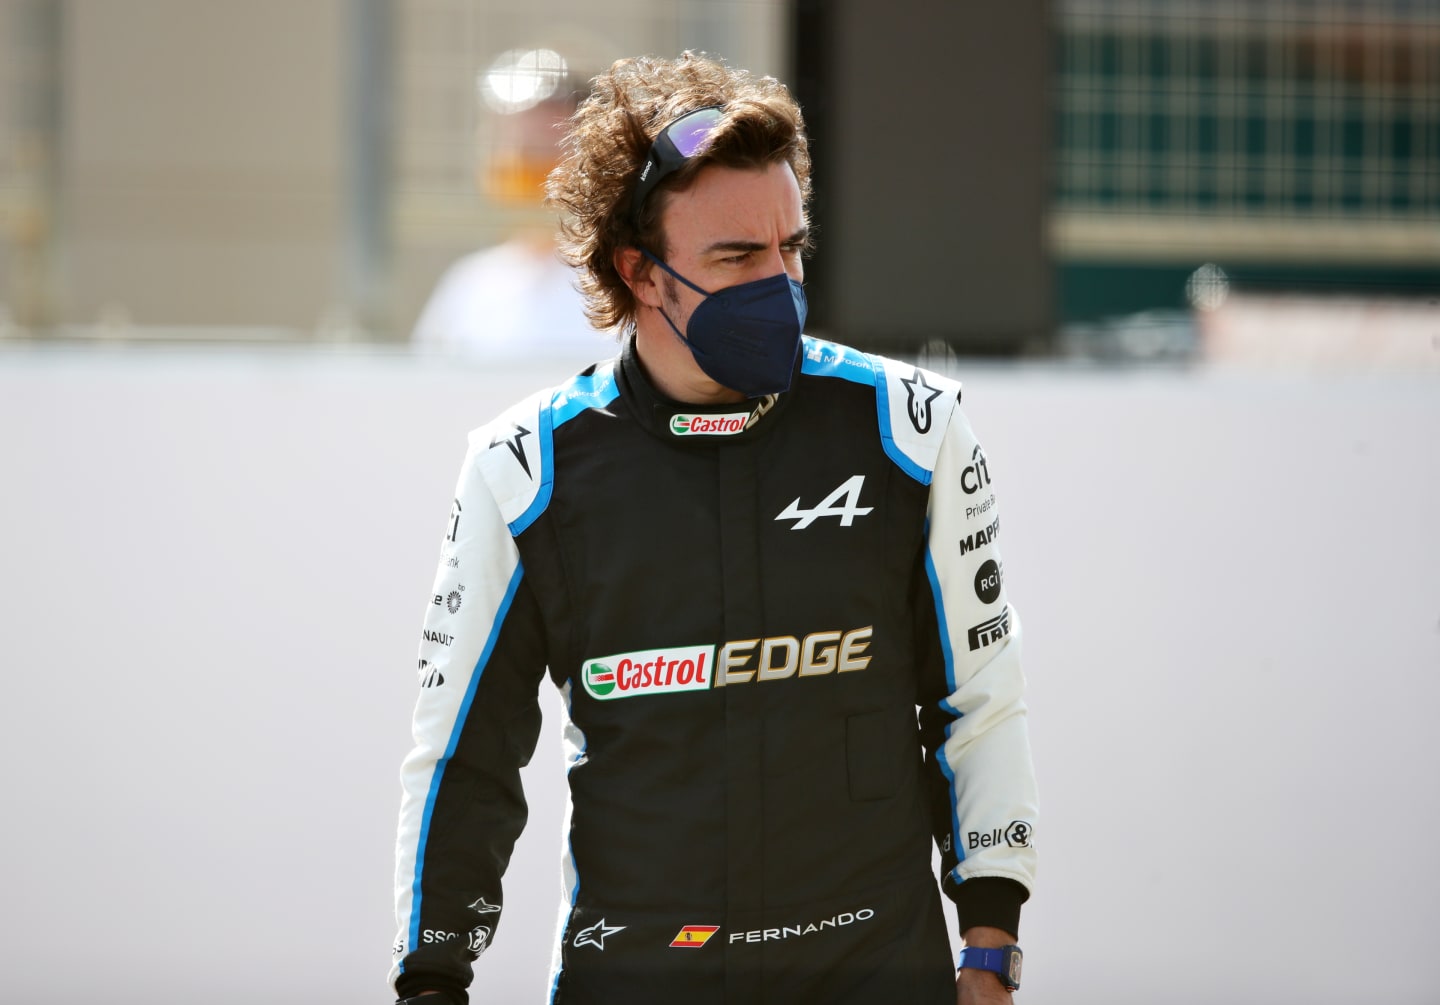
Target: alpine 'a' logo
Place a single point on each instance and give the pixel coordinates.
(595, 934)
(848, 493)
(917, 403)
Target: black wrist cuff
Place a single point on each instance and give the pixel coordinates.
(990, 901)
(445, 996)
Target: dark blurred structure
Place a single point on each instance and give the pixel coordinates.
(1284, 146)
(930, 127)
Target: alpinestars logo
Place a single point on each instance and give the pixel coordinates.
(991, 631)
(595, 935)
(517, 433)
(430, 676)
(917, 404)
(481, 906)
(848, 493)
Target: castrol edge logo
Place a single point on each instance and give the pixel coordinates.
(699, 668)
(650, 671)
(727, 424)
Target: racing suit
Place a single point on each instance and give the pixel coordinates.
(743, 605)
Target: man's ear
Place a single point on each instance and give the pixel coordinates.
(639, 274)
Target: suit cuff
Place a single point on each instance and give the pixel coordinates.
(991, 901)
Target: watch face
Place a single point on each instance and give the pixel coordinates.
(1013, 960)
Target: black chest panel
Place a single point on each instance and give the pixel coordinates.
(735, 619)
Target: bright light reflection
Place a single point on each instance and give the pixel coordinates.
(522, 78)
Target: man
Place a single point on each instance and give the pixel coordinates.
(746, 557)
(516, 299)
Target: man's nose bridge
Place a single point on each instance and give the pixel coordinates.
(774, 261)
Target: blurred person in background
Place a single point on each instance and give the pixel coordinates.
(516, 299)
(746, 557)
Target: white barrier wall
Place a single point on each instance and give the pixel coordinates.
(213, 567)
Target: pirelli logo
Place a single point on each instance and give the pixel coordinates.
(987, 632)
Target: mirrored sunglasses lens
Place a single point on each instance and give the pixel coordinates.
(690, 133)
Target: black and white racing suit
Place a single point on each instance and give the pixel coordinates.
(743, 606)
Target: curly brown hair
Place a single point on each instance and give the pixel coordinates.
(610, 135)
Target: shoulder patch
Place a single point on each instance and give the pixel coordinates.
(915, 407)
(830, 359)
(515, 452)
(513, 455)
(593, 389)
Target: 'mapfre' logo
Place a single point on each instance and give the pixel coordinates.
(728, 424)
(980, 538)
(650, 671)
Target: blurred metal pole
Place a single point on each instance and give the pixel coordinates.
(368, 284)
(33, 54)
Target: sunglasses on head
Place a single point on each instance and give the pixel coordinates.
(677, 143)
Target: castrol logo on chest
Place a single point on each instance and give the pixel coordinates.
(649, 671)
(727, 424)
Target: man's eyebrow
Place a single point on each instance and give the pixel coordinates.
(799, 237)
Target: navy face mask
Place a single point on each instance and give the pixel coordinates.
(745, 337)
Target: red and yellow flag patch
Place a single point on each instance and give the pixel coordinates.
(693, 936)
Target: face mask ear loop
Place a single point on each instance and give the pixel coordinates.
(678, 334)
(703, 293)
(683, 340)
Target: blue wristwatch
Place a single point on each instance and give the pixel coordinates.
(1004, 962)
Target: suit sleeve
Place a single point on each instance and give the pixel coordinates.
(475, 725)
(973, 716)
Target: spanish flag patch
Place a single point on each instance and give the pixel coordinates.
(693, 936)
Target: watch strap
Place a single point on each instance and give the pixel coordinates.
(1004, 962)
